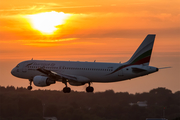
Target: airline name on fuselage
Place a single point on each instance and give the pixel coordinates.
(42, 64)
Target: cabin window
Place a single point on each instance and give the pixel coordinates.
(17, 65)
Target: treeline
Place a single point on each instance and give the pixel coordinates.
(21, 104)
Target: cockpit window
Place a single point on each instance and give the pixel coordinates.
(17, 65)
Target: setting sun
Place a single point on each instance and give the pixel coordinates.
(47, 22)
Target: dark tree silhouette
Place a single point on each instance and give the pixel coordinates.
(21, 104)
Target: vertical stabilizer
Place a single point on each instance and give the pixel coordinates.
(143, 53)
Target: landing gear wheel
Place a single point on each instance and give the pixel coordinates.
(89, 89)
(66, 90)
(30, 82)
(29, 87)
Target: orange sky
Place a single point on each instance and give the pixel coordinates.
(105, 31)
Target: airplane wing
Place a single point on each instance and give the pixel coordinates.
(60, 76)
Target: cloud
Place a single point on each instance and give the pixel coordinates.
(108, 25)
(110, 19)
(42, 7)
(46, 42)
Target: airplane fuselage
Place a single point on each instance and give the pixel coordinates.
(95, 71)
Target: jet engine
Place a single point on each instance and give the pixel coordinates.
(42, 81)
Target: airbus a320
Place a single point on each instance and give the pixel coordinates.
(44, 73)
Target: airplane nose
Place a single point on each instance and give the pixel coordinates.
(13, 72)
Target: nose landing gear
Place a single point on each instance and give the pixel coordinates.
(30, 87)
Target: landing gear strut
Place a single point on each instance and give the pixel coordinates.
(66, 89)
(30, 87)
(89, 88)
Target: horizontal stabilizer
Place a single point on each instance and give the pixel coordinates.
(138, 70)
(164, 67)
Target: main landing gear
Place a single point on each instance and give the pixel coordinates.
(66, 89)
(30, 87)
(89, 88)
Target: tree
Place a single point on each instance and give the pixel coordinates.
(51, 110)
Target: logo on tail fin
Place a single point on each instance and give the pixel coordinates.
(143, 58)
(143, 53)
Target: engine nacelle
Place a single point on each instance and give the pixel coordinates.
(42, 81)
(76, 83)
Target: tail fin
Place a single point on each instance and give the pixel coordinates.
(143, 53)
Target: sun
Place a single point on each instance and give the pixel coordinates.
(46, 22)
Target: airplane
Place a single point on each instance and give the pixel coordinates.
(44, 73)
